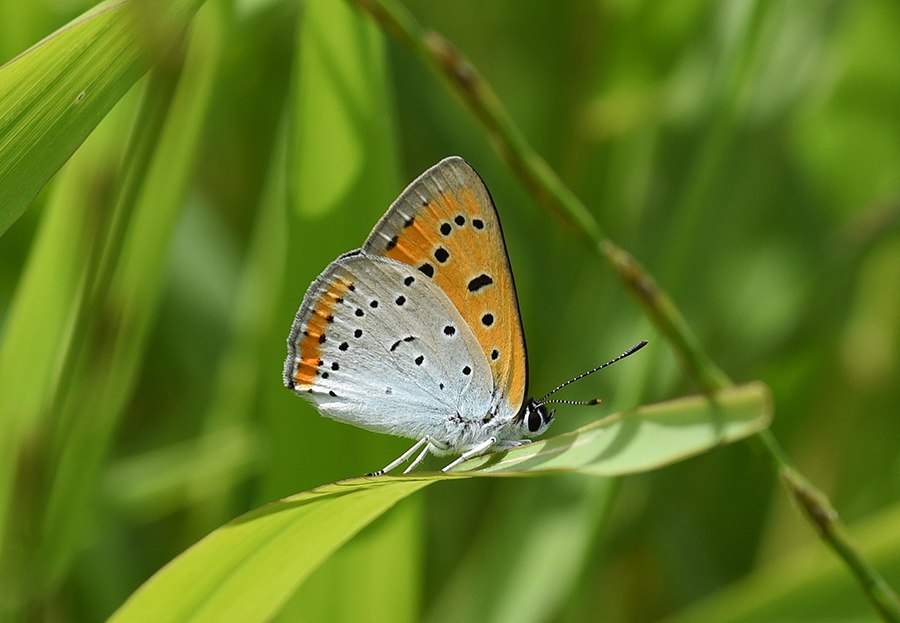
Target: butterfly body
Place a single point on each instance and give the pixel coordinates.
(418, 333)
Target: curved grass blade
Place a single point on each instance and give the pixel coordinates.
(643, 438)
(54, 94)
(248, 568)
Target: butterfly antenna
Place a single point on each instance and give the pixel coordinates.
(630, 351)
(585, 403)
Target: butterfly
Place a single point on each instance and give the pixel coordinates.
(418, 333)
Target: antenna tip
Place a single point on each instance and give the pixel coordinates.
(595, 401)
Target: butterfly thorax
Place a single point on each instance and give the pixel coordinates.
(510, 429)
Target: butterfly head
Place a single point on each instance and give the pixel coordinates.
(535, 418)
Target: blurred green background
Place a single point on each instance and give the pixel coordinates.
(747, 153)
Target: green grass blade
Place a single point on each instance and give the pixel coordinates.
(644, 438)
(54, 94)
(377, 577)
(246, 570)
(104, 372)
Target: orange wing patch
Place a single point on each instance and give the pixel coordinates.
(315, 335)
(446, 225)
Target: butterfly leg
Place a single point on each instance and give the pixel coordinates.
(402, 458)
(468, 454)
(433, 446)
(419, 458)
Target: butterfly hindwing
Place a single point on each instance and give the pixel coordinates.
(446, 226)
(378, 345)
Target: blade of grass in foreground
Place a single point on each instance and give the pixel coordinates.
(104, 369)
(54, 94)
(248, 568)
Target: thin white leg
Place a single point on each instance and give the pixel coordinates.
(419, 459)
(468, 454)
(402, 458)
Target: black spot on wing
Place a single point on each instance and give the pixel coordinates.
(481, 281)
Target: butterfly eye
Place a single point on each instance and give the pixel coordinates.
(535, 421)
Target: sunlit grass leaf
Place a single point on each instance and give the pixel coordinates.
(245, 570)
(642, 439)
(54, 94)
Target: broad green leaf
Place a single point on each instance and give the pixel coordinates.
(54, 94)
(245, 570)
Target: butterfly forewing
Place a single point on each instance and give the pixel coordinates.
(446, 226)
(379, 345)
